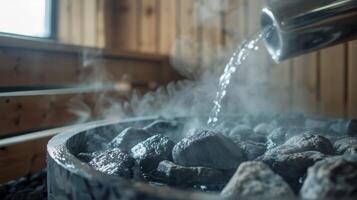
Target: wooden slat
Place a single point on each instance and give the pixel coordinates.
(77, 22)
(63, 21)
(333, 69)
(352, 80)
(188, 34)
(21, 159)
(125, 24)
(89, 23)
(234, 21)
(305, 83)
(212, 39)
(149, 26)
(167, 26)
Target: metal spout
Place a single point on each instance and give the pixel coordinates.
(296, 27)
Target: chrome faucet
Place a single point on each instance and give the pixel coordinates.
(296, 27)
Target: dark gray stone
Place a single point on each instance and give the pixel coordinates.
(113, 162)
(351, 150)
(128, 138)
(264, 129)
(342, 145)
(256, 180)
(332, 178)
(181, 176)
(277, 137)
(311, 142)
(352, 127)
(252, 149)
(149, 153)
(292, 167)
(244, 132)
(208, 149)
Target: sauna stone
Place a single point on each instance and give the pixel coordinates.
(343, 144)
(332, 178)
(189, 176)
(252, 149)
(256, 180)
(149, 153)
(311, 142)
(264, 129)
(114, 162)
(351, 150)
(243, 132)
(208, 149)
(277, 137)
(128, 138)
(352, 127)
(292, 167)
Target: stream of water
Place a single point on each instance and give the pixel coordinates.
(239, 56)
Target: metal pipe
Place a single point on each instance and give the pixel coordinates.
(296, 27)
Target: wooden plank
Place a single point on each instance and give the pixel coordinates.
(125, 28)
(63, 21)
(167, 34)
(148, 26)
(333, 87)
(89, 23)
(77, 22)
(305, 83)
(352, 80)
(102, 25)
(234, 21)
(21, 159)
(212, 38)
(188, 37)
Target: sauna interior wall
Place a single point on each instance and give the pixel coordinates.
(321, 83)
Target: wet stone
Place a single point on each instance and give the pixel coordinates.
(128, 138)
(149, 153)
(342, 145)
(352, 127)
(264, 129)
(292, 167)
(241, 132)
(310, 142)
(114, 162)
(351, 150)
(332, 178)
(256, 180)
(181, 176)
(252, 149)
(207, 149)
(277, 137)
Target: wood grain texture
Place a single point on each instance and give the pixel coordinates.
(333, 87)
(167, 25)
(352, 80)
(22, 159)
(89, 23)
(305, 83)
(235, 23)
(125, 23)
(149, 26)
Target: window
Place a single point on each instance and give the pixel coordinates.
(26, 17)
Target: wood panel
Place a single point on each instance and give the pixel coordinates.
(167, 22)
(352, 80)
(235, 23)
(21, 159)
(125, 24)
(149, 26)
(89, 22)
(305, 83)
(333, 87)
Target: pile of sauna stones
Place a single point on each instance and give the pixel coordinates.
(277, 156)
(31, 187)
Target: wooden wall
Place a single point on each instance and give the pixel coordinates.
(197, 32)
(82, 22)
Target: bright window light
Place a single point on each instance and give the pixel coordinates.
(26, 17)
